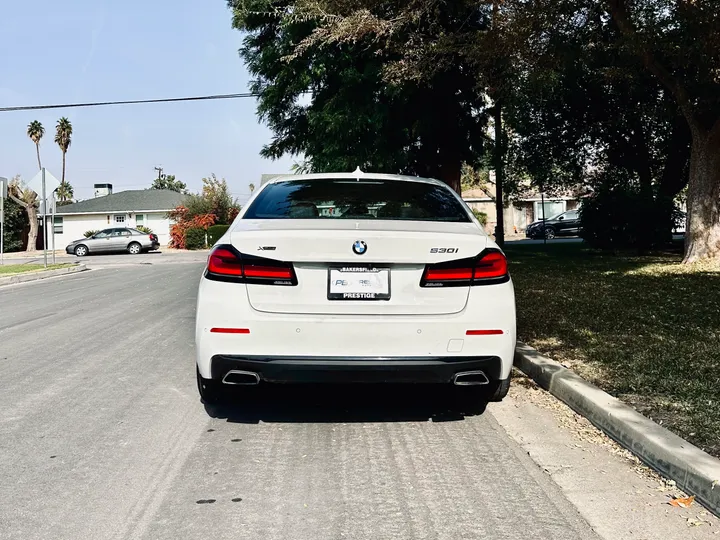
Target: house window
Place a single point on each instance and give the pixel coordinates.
(120, 219)
(139, 220)
(58, 225)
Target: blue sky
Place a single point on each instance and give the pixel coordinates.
(100, 50)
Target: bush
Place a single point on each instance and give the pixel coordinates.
(481, 216)
(195, 238)
(183, 223)
(88, 234)
(621, 217)
(144, 229)
(215, 232)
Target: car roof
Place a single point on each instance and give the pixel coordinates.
(356, 175)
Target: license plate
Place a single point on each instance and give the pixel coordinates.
(358, 283)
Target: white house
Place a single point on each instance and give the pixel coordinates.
(144, 207)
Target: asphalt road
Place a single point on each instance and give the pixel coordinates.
(102, 436)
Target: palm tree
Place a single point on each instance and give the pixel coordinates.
(63, 138)
(35, 131)
(252, 187)
(65, 193)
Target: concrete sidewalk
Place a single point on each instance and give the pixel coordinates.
(695, 471)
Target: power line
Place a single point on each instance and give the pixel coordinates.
(127, 102)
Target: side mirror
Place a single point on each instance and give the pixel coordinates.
(561, 218)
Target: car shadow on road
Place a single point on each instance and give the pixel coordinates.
(345, 403)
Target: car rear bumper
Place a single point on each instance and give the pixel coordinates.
(284, 369)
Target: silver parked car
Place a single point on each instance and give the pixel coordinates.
(114, 240)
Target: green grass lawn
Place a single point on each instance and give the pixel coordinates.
(645, 329)
(11, 269)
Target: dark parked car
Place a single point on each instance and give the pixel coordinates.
(565, 224)
(108, 240)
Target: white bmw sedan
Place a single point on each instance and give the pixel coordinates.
(355, 277)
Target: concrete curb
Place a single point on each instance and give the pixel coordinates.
(34, 276)
(694, 471)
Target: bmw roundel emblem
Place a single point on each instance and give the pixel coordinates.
(359, 247)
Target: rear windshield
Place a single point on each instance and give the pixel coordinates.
(353, 199)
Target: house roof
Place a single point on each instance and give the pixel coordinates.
(139, 200)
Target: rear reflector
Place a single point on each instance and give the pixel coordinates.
(483, 332)
(488, 267)
(268, 272)
(230, 330)
(226, 264)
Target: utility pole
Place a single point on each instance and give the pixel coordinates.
(499, 177)
(159, 170)
(3, 194)
(44, 207)
(498, 157)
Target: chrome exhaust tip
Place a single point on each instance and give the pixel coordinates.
(247, 378)
(470, 378)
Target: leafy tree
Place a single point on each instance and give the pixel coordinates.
(168, 181)
(63, 138)
(586, 113)
(220, 201)
(27, 199)
(425, 126)
(678, 42)
(36, 131)
(214, 205)
(15, 222)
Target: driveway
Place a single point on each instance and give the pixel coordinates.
(102, 435)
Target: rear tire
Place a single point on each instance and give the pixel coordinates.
(497, 390)
(210, 391)
(134, 248)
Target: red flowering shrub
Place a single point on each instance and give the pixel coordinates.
(183, 222)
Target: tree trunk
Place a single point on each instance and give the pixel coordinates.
(63, 171)
(33, 234)
(702, 230)
(37, 148)
(499, 176)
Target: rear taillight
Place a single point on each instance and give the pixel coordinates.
(492, 265)
(227, 264)
(487, 268)
(224, 262)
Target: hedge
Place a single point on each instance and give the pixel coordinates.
(195, 238)
(215, 233)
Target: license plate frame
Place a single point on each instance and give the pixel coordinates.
(357, 295)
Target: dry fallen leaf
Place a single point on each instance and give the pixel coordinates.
(682, 502)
